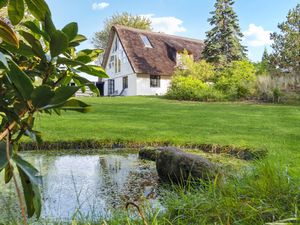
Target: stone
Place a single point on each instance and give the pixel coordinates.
(149, 153)
(176, 166)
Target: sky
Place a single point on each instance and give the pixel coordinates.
(188, 18)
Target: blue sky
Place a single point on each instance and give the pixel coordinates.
(180, 17)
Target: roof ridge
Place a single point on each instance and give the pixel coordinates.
(157, 33)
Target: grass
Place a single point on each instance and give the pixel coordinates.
(154, 119)
(262, 192)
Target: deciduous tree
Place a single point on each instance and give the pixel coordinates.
(100, 38)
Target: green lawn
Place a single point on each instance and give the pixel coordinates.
(148, 119)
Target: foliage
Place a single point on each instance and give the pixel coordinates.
(286, 46)
(100, 39)
(192, 89)
(237, 80)
(36, 67)
(198, 70)
(223, 41)
(263, 67)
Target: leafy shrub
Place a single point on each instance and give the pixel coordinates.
(201, 70)
(201, 81)
(237, 80)
(190, 88)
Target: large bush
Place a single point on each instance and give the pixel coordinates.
(199, 70)
(201, 81)
(237, 80)
(190, 88)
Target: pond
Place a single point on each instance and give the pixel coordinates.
(89, 184)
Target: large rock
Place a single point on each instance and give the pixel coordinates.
(149, 153)
(177, 166)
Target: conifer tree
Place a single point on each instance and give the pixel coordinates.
(223, 41)
(286, 44)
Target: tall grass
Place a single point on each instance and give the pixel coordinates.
(266, 193)
(281, 88)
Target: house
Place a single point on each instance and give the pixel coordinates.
(141, 62)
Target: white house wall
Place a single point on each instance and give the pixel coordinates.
(126, 70)
(143, 85)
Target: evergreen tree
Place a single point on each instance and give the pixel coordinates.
(286, 46)
(263, 67)
(223, 41)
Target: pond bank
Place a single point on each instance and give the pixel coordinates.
(240, 152)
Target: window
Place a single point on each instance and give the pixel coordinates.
(146, 41)
(111, 62)
(154, 81)
(125, 82)
(117, 64)
(116, 45)
(111, 86)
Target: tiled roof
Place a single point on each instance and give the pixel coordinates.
(159, 60)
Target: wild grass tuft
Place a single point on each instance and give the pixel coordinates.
(266, 193)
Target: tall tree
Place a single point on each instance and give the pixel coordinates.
(263, 67)
(286, 46)
(100, 38)
(223, 41)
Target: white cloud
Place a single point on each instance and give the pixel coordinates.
(256, 36)
(100, 5)
(168, 25)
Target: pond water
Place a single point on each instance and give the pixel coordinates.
(91, 185)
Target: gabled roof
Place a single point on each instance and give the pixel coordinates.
(159, 60)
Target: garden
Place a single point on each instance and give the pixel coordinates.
(222, 147)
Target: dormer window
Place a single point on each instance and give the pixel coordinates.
(146, 41)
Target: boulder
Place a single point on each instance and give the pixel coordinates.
(149, 153)
(176, 166)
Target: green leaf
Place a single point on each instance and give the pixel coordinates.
(7, 34)
(20, 80)
(34, 135)
(38, 8)
(77, 40)
(62, 94)
(3, 156)
(8, 173)
(16, 11)
(35, 44)
(59, 43)
(41, 96)
(97, 71)
(31, 194)
(33, 27)
(85, 82)
(28, 169)
(24, 49)
(69, 62)
(76, 105)
(88, 55)
(3, 3)
(3, 60)
(71, 30)
(49, 25)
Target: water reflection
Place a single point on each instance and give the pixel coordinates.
(92, 185)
